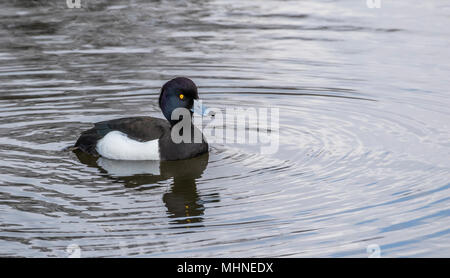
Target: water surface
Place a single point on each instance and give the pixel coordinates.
(364, 128)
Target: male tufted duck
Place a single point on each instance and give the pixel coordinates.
(147, 138)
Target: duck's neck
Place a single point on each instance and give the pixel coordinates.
(175, 122)
(187, 122)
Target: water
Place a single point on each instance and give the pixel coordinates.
(364, 145)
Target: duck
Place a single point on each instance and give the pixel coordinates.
(145, 137)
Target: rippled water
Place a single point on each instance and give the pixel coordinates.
(364, 128)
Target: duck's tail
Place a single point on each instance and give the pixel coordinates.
(70, 148)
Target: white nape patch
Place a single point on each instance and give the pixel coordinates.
(117, 145)
(122, 168)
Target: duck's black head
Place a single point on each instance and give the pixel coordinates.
(179, 92)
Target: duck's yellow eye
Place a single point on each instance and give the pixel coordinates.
(181, 96)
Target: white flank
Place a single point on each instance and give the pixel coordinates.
(117, 145)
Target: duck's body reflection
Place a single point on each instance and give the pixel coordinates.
(183, 202)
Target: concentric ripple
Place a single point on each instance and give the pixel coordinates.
(364, 128)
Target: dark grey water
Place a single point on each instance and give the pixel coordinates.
(364, 128)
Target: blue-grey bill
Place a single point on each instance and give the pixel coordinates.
(199, 108)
